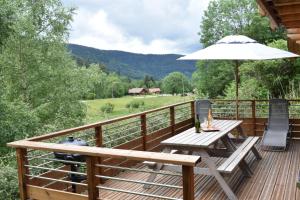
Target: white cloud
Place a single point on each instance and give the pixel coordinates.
(143, 26)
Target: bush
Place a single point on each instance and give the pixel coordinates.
(107, 108)
(135, 104)
(9, 189)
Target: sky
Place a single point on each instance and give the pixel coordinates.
(139, 26)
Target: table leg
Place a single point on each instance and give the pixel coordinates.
(241, 132)
(157, 167)
(213, 170)
(232, 147)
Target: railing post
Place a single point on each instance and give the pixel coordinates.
(99, 143)
(253, 103)
(22, 171)
(188, 182)
(144, 131)
(92, 180)
(193, 112)
(172, 119)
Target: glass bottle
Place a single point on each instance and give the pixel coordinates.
(197, 124)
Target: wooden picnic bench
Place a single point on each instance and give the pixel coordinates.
(204, 144)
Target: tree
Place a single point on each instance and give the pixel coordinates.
(176, 83)
(228, 17)
(212, 77)
(275, 75)
(38, 75)
(149, 81)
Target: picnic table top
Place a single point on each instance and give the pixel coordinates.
(190, 138)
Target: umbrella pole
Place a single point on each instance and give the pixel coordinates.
(237, 88)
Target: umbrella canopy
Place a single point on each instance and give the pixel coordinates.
(238, 47)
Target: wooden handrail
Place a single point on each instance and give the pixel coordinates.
(177, 159)
(94, 125)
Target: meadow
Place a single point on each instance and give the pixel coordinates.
(95, 114)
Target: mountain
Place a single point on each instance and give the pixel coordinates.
(132, 64)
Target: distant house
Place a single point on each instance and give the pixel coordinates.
(137, 91)
(154, 90)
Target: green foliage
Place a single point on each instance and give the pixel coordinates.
(249, 89)
(229, 17)
(17, 121)
(274, 75)
(40, 83)
(107, 108)
(212, 77)
(176, 83)
(9, 188)
(134, 104)
(133, 65)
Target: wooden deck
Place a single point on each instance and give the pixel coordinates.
(274, 178)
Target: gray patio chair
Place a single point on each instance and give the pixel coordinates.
(278, 129)
(201, 109)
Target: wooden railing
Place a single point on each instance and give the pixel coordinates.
(92, 154)
(40, 173)
(121, 144)
(254, 114)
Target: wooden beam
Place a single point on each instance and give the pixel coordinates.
(288, 10)
(22, 171)
(292, 24)
(92, 180)
(291, 17)
(293, 30)
(172, 119)
(40, 193)
(188, 183)
(294, 36)
(274, 22)
(188, 160)
(279, 3)
(144, 131)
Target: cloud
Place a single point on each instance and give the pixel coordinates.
(143, 26)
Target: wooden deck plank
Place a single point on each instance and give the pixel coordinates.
(290, 188)
(278, 191)
(274, 178)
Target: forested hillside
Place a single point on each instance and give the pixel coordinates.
(131, 64)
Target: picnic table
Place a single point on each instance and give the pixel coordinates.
(206, 145)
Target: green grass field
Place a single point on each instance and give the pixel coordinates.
(94, 113)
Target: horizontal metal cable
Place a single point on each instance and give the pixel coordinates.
(122, 130)
(115, 126)
(137, 193)
(137, 170)
(39, 156)
(139, 182)
(52, 182)
(125, 136)
(64, 161)
(58, 180)
(56, 170)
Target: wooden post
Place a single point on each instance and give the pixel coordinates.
(22, 171)
(92, 180)
(98, 136)
(144, 131)
(172, 119)
(188, 182)
(253, 103)
(99, 143)
(193, 112)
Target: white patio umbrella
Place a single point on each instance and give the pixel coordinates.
(238, 48)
